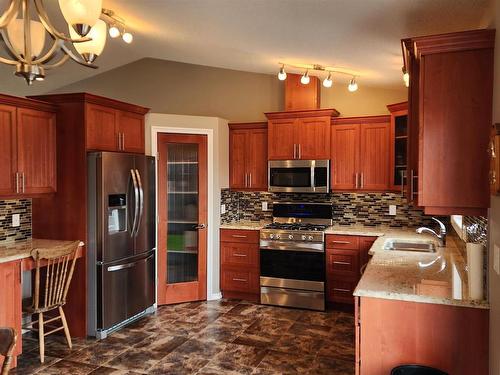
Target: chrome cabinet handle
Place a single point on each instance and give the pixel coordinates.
(200, 226)
(123, 141)
(238, 236)
(356, 180)
(300, 150)
(294, 151)
(242, 280)
(23, 182)
(17, 182)
(239, 255)
(362, 180)
(341, 242)
(341, 263)
(341, 290)
(249, 180)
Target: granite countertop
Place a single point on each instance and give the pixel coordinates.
(245, 225)
(439, 278)
(22, 249)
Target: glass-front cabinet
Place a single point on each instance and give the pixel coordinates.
(399, 146)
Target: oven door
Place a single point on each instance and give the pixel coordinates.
(299, 176)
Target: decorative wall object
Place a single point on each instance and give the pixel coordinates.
(8, 233)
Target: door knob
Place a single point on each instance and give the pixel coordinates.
(200, 226)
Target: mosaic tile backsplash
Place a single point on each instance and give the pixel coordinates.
(8, 233)
(369, 209)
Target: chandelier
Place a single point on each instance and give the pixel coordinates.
(24, 37)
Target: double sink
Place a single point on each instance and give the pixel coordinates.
(423, 246)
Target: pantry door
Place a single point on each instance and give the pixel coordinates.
(182, 223)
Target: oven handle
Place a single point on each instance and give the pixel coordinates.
(290, 247)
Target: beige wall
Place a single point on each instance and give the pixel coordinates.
(494, 278)
(178, 88)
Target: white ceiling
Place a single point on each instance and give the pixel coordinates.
(254, 35)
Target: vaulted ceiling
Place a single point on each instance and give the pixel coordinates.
(254, 35)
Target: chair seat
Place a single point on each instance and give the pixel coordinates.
(28, 307)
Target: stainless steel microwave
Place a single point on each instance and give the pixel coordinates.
(299, 176)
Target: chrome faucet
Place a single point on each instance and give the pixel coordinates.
(442, 232)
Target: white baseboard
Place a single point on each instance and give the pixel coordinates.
(214, 296)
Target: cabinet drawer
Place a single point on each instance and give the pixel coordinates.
(239, 235)
(239, 280)
(339, 290)
(239, 254)
(342, 262)
(335, 241)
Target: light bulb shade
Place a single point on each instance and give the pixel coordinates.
(406, 79)
(15, 33)
(114, 32)
(127, 38)
(328, 82)
(81, 15)
(305, 79)
(282, 74)
(93, 48)
(353, 86)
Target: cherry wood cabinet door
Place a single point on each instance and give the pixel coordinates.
(256, 160)
(374, 156)
(101, 129)
(36, 151)
(313, 138)
(8, 150)
(237, 153)
(131, 128)
(365, 243)
(10, 301)
(281, 140)
(345, 156)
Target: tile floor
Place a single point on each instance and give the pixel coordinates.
(219, 337)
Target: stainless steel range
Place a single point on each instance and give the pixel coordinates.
(292, 255)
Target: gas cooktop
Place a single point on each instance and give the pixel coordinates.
(297, 226)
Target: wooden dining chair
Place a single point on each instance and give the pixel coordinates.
(8, 338)
(53, 273)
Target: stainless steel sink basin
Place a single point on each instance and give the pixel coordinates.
(410, 245)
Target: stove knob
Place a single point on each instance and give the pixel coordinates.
(304, 237)
(310, 238)
(271, 236)
(277, 237)
(290, 236)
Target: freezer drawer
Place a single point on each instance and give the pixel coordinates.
(128, 288)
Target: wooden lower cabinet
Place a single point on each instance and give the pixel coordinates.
(240, 269)
(10, 301)
(345, 257)
(390, 333)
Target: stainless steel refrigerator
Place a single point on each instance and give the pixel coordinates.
(121, 240)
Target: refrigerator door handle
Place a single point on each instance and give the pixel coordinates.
(128, 265)
(141, 202)
(136, 202)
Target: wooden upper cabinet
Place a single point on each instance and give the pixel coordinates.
(299, 96)
(36, 151)
(345, 157)
(313, 138)
(281, 142)
(101, 131)
(8, 150)
(301, 135)
(131, 131)
(455, 117)
(27, 147)
(374, 156)
(109, 125)
(360, 153)
(248, 156)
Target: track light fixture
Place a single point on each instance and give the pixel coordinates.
(327, 82)
(305, 79)
(117, 26)
(353, 86)
(282, 73)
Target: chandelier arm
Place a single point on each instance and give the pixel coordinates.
(75, 58)
(9, 14)
(11, 49)
(7, 61)
(50, 53)
(44, 19)
(57, 64)
(27, 31)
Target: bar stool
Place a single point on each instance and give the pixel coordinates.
(57, 265)
(8, 338)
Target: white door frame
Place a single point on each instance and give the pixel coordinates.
(155, 131)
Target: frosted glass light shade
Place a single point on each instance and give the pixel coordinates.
(81, 14)
(305, 79)
(93, 48)
(353, 86)
(15, 33)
